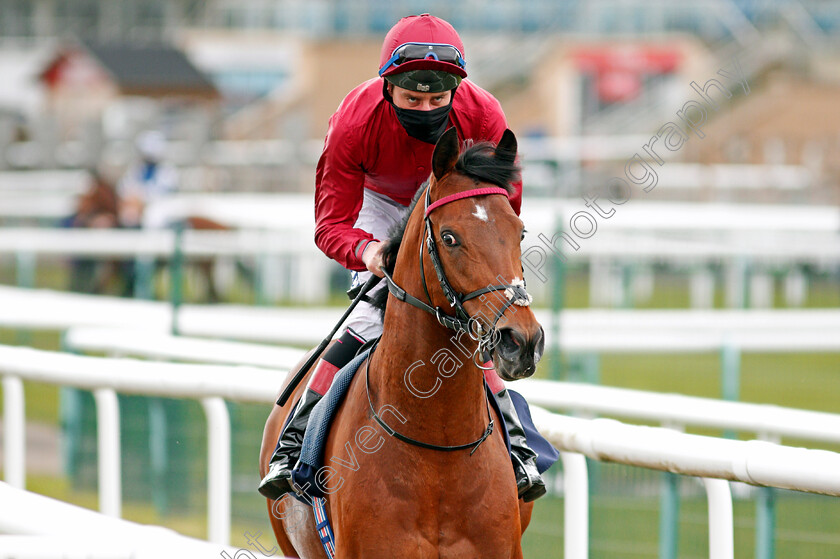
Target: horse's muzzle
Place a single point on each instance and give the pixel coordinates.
(517, 354)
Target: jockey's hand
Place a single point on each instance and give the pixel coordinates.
(372, 258)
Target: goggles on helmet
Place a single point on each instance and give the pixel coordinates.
(424, 51)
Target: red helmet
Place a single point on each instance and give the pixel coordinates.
(423, 42)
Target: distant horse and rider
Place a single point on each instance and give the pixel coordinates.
(100, 207)
(419, 465)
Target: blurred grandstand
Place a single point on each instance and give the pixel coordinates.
(611, 71)
(744, 213)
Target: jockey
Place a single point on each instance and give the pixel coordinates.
(377, 153)
(147, 181)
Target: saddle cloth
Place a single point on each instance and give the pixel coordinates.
(315, 438)
(312, 452)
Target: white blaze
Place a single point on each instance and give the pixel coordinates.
(480, 212)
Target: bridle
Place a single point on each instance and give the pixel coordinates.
(461, 322)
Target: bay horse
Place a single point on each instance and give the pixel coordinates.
(98, 207)
(386, 497)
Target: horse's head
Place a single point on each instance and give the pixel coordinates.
(471, 257)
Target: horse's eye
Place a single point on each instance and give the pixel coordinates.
(522, 236)
(448, 239)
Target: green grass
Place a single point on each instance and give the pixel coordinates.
(671, 291)
(806, 381)
(41, 400)
(620, 527)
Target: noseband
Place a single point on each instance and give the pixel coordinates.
(514, 293)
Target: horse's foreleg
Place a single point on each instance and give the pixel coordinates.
(293, 523)
(206, 269)
(276, 512)
(109, 274)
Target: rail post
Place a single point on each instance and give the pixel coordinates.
(25, 268)
(730, 358)
(765, 514)
(557, 303)
(765, 523)
(721, 534)
(669, 516)
(575, 506)
(14, 432)
(669, 511)
(144, 273)
(108, 450)
(176, 277)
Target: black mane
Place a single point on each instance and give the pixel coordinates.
(479, 161)
(483, 163)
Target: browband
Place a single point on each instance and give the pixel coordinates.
(466, 194)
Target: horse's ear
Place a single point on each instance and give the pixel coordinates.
(507, 146)
(446, 153)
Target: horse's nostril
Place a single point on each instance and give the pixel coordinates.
(510, 343)
(518, 352)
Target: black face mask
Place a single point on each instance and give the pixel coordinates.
(426, 126)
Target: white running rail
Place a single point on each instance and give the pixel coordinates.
(125, 342)
(581, 330)
(755, 462)
(105, 377)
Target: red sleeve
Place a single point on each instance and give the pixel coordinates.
(516, 196)
(339, 191)
(494, 126)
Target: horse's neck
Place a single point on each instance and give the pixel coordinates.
(426, 373)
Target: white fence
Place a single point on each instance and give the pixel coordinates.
(289, 258)
(164, 347)
(33, 195)
(768, 421)
(105, 377)
(576, 330)
(160, 243)
(751, 462)
(714, 460)
(297, 242)
(291, 212)
(750, 241)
